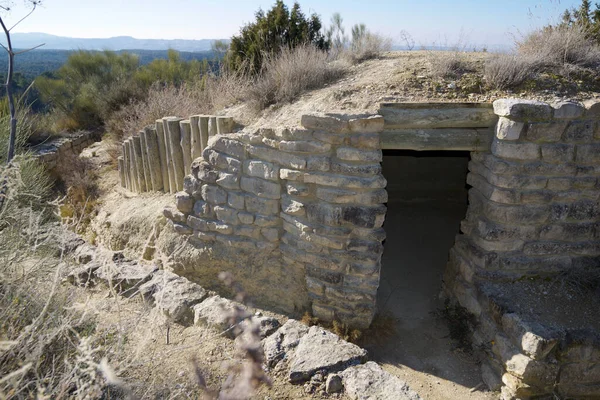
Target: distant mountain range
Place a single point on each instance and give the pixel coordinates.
(52, 42)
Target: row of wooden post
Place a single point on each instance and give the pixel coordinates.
(159, 157)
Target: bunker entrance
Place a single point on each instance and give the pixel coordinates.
(427, 201)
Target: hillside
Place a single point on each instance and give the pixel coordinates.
(39, 61)
(408, 76)
(28, 40)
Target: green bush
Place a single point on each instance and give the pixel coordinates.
(272, 32)
(91, 85)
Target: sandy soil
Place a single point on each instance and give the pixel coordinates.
(404, 76)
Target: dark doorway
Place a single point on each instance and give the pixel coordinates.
(427, 201)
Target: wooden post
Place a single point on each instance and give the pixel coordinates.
(145, 161)
(121, 171)
(203, 126)
(186, 145)
(139, 164)
(196, 142)
(173, 133)
(213, 130)
(162, 150)
(153, 158)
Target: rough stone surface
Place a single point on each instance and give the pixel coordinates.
(124, 275)
(371, 382)
(523, 110)
(333, 384)
(283, 341)
(324, 122)
(216, 312)
(321, 350)
(568, 110)
(174, 297)
(507, 129)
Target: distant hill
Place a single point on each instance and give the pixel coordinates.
(36, 62)
(52, 42)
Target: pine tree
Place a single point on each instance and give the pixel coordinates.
(270, 33)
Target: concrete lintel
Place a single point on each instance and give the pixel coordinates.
(437, 115)
(437, 139)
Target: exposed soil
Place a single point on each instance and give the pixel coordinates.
(405, 76)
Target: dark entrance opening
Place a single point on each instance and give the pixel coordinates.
(427, 201)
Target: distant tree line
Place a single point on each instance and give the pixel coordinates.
(586, 17)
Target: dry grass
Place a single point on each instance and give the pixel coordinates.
(161, 101)
(557, 48)
(365, 47)
(286, 76)
(78, 180)
(39, 334)
(504, 71)
(447, 64)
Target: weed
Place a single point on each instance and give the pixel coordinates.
(504, 71)
(285, 76)
(460, 322)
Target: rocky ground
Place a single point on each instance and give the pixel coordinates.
(131, 223)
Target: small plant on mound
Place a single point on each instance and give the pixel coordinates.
(504, 71)
(362, 45)
(285, 76)
(562, 48)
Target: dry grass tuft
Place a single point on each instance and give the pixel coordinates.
(365, 47)
(447, 64)
(79, 181)
(504, 71)
(161, 101)
(382, 329)
(558, 47)
(287, 75)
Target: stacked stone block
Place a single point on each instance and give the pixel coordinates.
(158, 157)
(312, 198)
(534, 212)
(50, 153)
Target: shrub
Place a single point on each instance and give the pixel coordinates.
(289, 74)
(25, 128)
(504, 71)
(271, 33)
(365, 45)
(79, 183)
(560, 47)
(40, 332)
(447, 64)
(91, 85)
(160, 102)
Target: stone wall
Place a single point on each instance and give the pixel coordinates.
(50, 153)
(158, 157)
(533, 218)
(309, 201)
(300, 212)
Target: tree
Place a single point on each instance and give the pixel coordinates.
(272, 32)
(9, 76)
(586, 17)
(8, 86)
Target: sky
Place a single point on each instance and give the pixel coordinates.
(429, 22)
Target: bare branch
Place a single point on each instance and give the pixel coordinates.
(35, 3)
(33, 48)
(4, 47)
